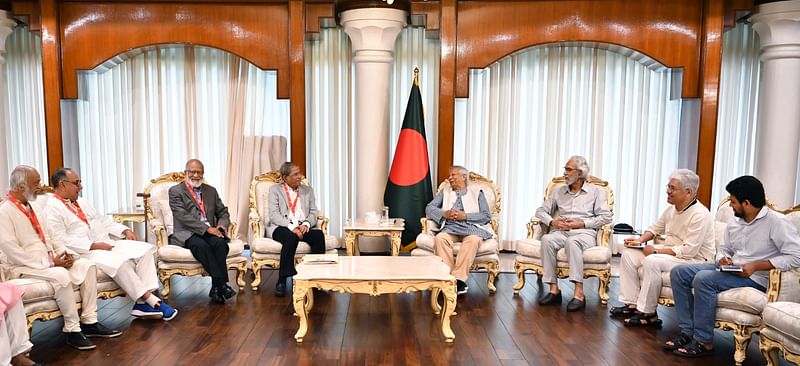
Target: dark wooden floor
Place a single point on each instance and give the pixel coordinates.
(257, 328)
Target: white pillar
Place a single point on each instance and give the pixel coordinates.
(778, 134)
(372, 32)
(6, 27)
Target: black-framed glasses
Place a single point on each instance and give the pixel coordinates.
(77, 182)
(194, 172)
(568, 169)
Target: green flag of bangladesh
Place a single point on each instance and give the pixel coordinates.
(408, 189)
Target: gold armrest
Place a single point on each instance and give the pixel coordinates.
(233, 230)
(776, 278)
(324, 225)
(161, 235)
(424, 222)
(534, 226)
(255, 229)
(605, 235)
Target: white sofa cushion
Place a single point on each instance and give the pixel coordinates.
(784, 317)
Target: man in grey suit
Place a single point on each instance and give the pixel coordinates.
(200, 222)
(292, 218)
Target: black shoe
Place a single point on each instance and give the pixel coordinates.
(216, 295)
(550, 299)
(461, 287)
(226, 291)
(99, 330)
(79, 341)
(280, 289)
(576, 304)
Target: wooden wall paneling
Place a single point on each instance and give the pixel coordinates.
(92, 33)
(713, 24)
(668, 31)
(447, 73)
(29, 11)
(316, 14)
(51, 73)
(431, 11)
(297, 91)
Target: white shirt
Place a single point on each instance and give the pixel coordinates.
(690, 233)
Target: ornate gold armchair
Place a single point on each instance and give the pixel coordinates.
(597, 259)
(488, 255)
(175, 260)
(781, 331)
(264, 250)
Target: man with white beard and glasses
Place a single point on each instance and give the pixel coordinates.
(200, 222)
(581, 209)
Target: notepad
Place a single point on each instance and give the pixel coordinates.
(635, 246)
(730, 268)
(321, 258)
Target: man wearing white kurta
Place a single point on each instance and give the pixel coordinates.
(74, 223)
(30, 253)
(689, 230)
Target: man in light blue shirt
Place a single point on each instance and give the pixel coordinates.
(758, 240)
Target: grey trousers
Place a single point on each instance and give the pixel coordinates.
(574, 242)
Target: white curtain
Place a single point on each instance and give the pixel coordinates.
(24, 134)
(734, 153)
(529, 112)
(330, 107)
(147, 115)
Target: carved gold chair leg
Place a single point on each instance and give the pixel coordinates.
(165, 278)
(257, 276)
(242, 271)
(493, 270)
(603, 288)
(520, 271)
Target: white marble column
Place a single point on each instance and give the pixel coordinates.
(6, 27)
(778, 134)
(372, 32)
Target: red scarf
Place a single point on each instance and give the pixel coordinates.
(29, 214)
(77, 210)
(196, 199)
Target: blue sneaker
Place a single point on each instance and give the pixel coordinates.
(144, 310)
(168, 312)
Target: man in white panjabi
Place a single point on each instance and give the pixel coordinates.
(689, 231)
(74, 223)
(30, 253)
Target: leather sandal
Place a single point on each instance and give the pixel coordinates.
(624, 311)
(677, 342)
(643, 320)
(693, 349)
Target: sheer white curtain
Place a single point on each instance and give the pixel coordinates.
(150, 113)
(734, 154)
(330, 102)
(24, 134)
(529, 112)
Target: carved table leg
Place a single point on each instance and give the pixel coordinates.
(299, 296)
(449, 308)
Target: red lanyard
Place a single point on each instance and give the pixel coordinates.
(77, 210)
(29, 214)
(196, 199)
(292, 205)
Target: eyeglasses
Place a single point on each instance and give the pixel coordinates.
(568, 169)
(194, 172)
(77, 182)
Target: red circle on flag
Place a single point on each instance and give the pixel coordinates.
(410, 164)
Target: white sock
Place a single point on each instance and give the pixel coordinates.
(152, 300)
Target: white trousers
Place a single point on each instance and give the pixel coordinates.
(14, 337)
(644, 290)
(65, 296)
(137, 276)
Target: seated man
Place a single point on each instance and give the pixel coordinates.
(689, 230)
(200, 221)
(463, 216)
(292, 218)
(582, 209)
(75, 224)
(14, 339)
(31, 254)
(757, 240)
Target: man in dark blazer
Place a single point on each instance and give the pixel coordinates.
(200, 222)
(292, 218)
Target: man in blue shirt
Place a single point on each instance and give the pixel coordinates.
(463, 216)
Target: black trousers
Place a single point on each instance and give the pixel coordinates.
(289, 241)
(211, 251)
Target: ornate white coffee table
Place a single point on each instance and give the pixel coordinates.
(376, 275)
(352, 230)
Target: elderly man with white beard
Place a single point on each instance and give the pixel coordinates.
(581, 209)
(200, 223)
(74, 223)
(31, 254)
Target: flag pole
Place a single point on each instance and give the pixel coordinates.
(416, 76)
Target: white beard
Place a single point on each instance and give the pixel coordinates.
(29, 194)
(571, 180)
(195, 184)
